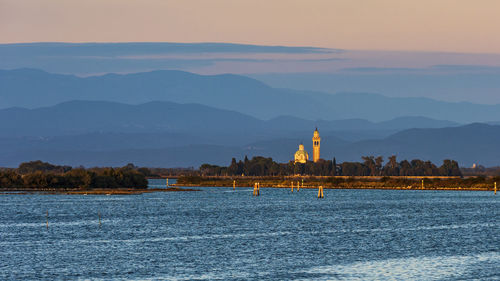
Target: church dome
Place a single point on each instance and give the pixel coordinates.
(301, 155)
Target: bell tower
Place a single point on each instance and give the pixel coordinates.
(316, 144)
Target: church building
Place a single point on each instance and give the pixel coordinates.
(301, 156)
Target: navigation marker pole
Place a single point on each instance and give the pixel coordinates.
(298, 186)
(320, 192)
(495, 188)
(292, 186)
(99, 215)
(47, 218)
(234, 184)
(167, 182)
(422, 184)
(256, 189)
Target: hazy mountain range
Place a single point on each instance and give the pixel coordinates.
(469, 144)
(80, 117)
(474, 143)
(34, 88)
(171, 134)
(175, 118)
(444, 76)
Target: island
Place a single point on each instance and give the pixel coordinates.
(43, 177)
(368, 174)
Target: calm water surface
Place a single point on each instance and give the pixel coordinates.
(219, 233)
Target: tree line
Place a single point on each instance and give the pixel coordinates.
(42, 175)
(479, 170)
(370, 166)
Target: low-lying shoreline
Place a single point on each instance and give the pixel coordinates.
(117, 191)
(451, 183)
(351, 187)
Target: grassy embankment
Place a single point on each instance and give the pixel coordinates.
(415, 183)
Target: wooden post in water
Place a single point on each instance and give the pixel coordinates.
(422, 184)
(298, 186)
(234, 184)
(167, 182)
(320, 192)
(99, 215)
(495, 188)
(47, 218)
(256, 189)
(292, 186)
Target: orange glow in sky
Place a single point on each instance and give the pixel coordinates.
(425, 25)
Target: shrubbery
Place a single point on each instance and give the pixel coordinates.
(41, 175)
(371, 166)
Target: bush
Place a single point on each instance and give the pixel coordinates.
(42, 175)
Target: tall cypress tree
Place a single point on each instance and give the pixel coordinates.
(246, 166)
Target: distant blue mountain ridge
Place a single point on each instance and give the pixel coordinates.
(35, 88)
(83, 117)
(175, 118)
(167, 134)
(476, 143)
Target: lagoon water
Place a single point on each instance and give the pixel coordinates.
(218, 233)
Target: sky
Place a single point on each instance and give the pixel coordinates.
(441, 49)
(461, 26)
